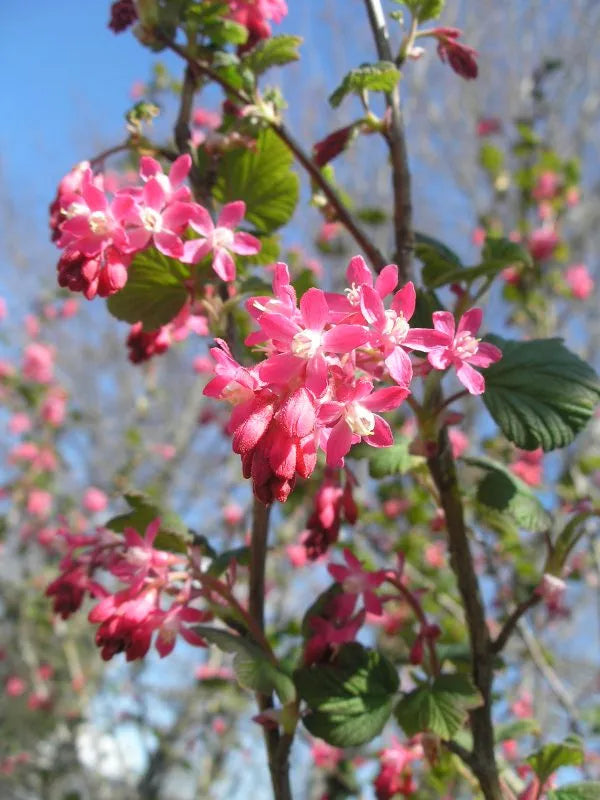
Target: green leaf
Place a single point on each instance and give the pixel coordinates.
(154, 293)
(516, 729)
(552, 756)
(576, 791)
(540, 393)
(440, 707)
(491, 158)
(174, 535)
(379, 77)
(566, 541)
(425, 9)
(503, 491)
(263, 179)
(438, 260)
(221, 563)
(273, 52)
(384, 461)
(350, 699)
(252, 668)
(505, 253)
(497, 254)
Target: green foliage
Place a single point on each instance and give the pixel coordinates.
(517, 729)
(491, 158)
(540, 393)
(425, 9)
(440, 707)
(263, 179)
(384, 461)
(497, 253)
(437, 259)
(350, 699)
(252, 668)
(503, 491)
(273, 52)
(576, 791)
(379, 77)
(154, 293)
(173, 534)
(566, 541)
(220, 564)
(554, 755)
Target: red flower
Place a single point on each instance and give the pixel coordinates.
(460, 57)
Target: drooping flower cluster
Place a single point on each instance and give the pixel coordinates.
(255, 15)
(143, 345)
(461, 57)
(100, 233)
(129, 617)
(315, 387)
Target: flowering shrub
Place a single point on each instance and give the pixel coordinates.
(344, 411)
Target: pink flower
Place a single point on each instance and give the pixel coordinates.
(528, 466)
(523, 706)
(463, 349)
(356, 580)
(206, 119)
(38, 362)
(580, 281)
(460, 57)
(542, 242)
(39, 503)
(486, 126)
(395, 775)
(324, 755)
(173, 622)
(459, 442)
(354, 409)
(546, 186)
(255, 15)
(552, 591)
(478, 236)
(233, 514)
(94, 500)
(393, 332)
(161, 212)
(2, 308)
(19, 423)
(54, 407)
(14, 686)
(220, 240)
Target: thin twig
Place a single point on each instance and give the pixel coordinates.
(513, 620)
(404, 238)
(343, 215)
(552, 679)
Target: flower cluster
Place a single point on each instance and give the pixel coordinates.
(315, 387)
(255, 16)
(100, 233)
(143, 345)
(129, 617)
(461, 57)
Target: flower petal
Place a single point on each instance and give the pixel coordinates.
(358, 273)
(473, 381)
(345, 338)
(339, 443)
(405, 300)
(231, 215)
(223, 264)
(470, 321)
(399, 366)
(314, 309)
(444, 321)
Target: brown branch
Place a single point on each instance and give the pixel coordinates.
(404, 239)
(360, 237)
(443, 472)
(511, 623)
(278, 745)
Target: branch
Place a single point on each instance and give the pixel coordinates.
(278, 745)
(398, 154)
(443, 472)
(511, 623)
(360, 237)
